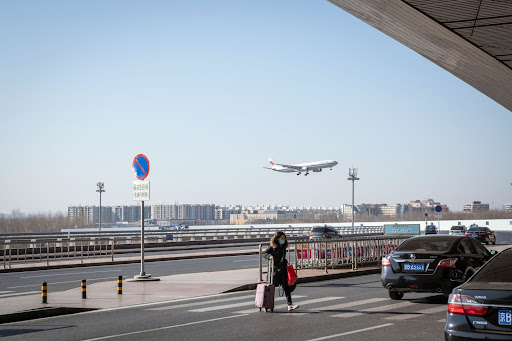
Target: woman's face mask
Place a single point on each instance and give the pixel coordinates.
(282, 241)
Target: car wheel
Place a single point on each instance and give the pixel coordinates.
(487, 242)
(494, 242)
(395, 295)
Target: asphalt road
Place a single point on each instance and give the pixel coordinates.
(356, 308)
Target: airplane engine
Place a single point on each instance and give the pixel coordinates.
(317, 170)
(305, 169)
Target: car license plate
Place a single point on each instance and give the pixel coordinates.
(414, 267)
(505, 318)
(474, 235)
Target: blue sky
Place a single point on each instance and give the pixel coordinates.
(208, 90)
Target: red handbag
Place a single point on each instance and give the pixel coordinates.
(292, 275)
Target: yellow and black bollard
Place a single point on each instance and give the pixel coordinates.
(120, 285)
(84, 289)
(44, 292)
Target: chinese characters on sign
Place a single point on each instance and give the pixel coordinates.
(141, 190)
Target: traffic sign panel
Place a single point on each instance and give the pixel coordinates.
(141, 190)
(439, 216)
(140, 166)
(438, 208)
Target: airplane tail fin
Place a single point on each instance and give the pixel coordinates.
(272, 163)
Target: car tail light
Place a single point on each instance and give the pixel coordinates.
(468, 234)
(310, 234)
(465, 305)
(447, 263)
(385, 262)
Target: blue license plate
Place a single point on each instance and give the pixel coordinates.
(474, 235)
(414, 267)
(505, 318)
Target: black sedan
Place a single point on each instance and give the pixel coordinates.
(481, 308)
(435, 263)
(482, 234)
(323, 232)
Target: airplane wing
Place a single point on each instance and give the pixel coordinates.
(268, 168)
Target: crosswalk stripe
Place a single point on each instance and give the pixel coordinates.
(195, 304)
(284, 306)
(375, 309)
(19, 294)
(232, 305)
(418, 314)
(351, 304)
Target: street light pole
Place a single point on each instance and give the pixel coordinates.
(352, 176)
(100, 189)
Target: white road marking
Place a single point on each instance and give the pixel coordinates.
(245, 260)
(194, 304)
(72, 273)
(351, 304)
(442, 320)
(164, 328)
(20, 294)
(228, 306)
(375, 309)
(352, 332)
(51, 283)
(419, 314)
(285, 306)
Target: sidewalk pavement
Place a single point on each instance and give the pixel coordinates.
(104, 295)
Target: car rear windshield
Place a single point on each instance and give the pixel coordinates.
(425, 244)
(457, 228)
(499, 269)
(474, 229)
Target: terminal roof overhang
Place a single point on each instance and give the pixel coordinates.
(472, 39)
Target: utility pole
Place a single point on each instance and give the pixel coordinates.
(352, 176)
(100, 189)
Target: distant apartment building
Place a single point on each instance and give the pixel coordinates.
(90, 215)
(225, 212)
(395, 210)
(475, 206)
(508, 207)
(130, 213)
(252, 215)
(183, 211)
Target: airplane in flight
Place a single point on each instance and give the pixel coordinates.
(301, 167)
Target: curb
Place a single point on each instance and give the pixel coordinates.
(133, 261)
(40, 313)
(319, 278)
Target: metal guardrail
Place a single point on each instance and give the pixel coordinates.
(194, 234)
(328, 253)
(46, 251)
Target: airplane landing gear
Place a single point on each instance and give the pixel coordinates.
(306, 173)
(298, 173)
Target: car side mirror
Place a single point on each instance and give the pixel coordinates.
(494, 252)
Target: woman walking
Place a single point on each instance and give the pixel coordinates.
(277, 253)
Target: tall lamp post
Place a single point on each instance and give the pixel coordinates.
(352, 176)
(100, 189)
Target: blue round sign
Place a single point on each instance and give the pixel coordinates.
(141, 166)
(438, 208)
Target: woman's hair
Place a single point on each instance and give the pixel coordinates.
(274, 241)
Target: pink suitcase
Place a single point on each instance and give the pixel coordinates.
(265, 296)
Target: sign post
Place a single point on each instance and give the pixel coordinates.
(439, 216)
(141, 192)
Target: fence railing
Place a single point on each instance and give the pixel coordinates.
(344, 253)
(46, 251)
